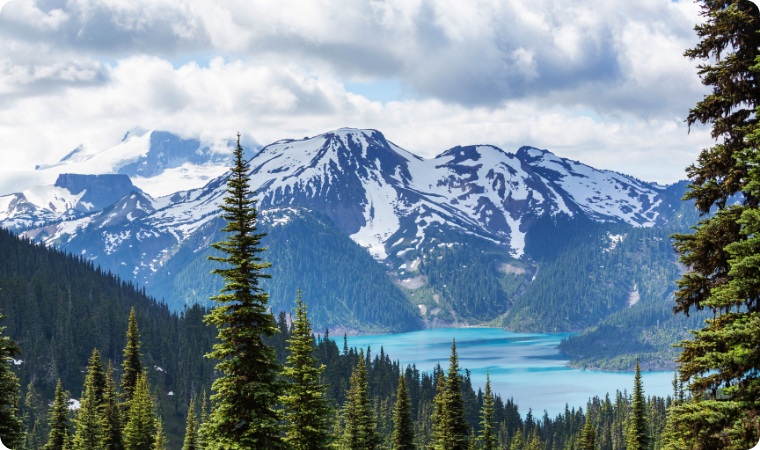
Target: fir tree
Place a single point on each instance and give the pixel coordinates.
(131, 367)
(454, 404)
(403, 430)
(441, 434)
(59, 420)
(203, 441)
(359, 432)
(159, 442)
(518, 442)
(111, 411)
(248, 388)
(95, 370)
(307, 412)
(487, 436)
(139, 433)
(721, 256)
(191, 429)
(588, 435)
(90, 423)
(11, 426)
(638, 437)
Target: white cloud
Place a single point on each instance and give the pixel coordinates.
(602, 81)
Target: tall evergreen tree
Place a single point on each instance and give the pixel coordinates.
(90, 423)
(111, 411)
(11, 426)
(588, 435)
(191, 429)
(307, 412)
(131, 368)
(159, 443)
(721, 256)
(403, 430)
(95, 369)
(638, 436)
(440, 434)
(203, 441)
(139, 432)
(454, 404)
(59, 420)
(248, 388)
(359, 433)
(487, 436)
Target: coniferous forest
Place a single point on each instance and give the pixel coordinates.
(88, 361)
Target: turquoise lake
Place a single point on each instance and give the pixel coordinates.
(526, 367)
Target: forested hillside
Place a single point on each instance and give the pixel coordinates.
(346, 288)
(61, 307)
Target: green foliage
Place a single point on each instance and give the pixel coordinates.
(487, 435)
(10, 425)
(139, 432)
(89, 422)
(597, 270)
(470, 281)
(160, 440)
(306, 409)
(59, 420)
(248, 388)
(720, 362)
(191, 430)
(638, 437)
(359, 433)
(307, 251)
(403, 431)
(110, 408)
(131, 367)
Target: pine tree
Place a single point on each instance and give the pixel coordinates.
(487, 436)
(441, 435)
(131, 367)
(11, 426)
(248, 389)
(203, 441)
(59, 420)
(403, 430)
(638, 437)
(588, 435)
(111, 411)
(454, 404)
(90, 423)
(307, 412)
(359, 432)
(159, 442)
(720, 362)
(191, 429)
(518, 442)
(139, 433)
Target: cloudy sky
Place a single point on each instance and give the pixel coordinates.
(600, 81)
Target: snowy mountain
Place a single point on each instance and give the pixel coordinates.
(385, 198)
(158, 162)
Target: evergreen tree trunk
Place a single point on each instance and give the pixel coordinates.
(403, 431)
(307, 412)
(248, 389)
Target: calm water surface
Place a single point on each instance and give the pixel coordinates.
(526, 367)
